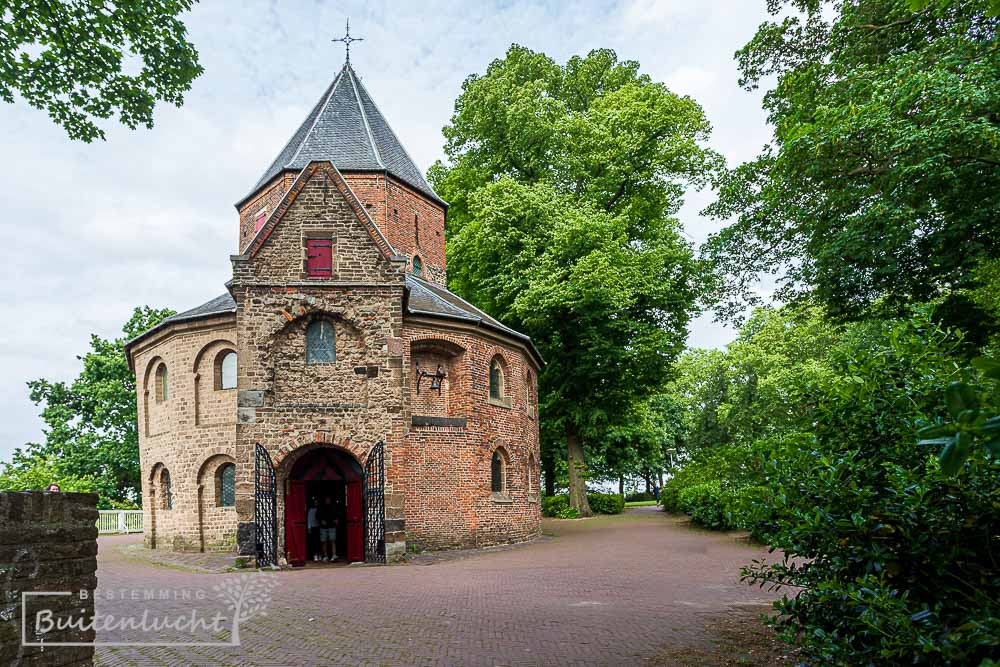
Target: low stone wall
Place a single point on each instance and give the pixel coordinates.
(48, 542)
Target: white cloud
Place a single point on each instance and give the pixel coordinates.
(147, 217)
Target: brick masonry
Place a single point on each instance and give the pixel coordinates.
(48, 542)
(438, 477)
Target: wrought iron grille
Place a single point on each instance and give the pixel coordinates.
(374, 497)
(265, 509)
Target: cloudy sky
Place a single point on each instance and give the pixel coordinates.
(147, 217)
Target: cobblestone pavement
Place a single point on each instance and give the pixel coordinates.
(601, 591)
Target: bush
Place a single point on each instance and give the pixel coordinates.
(553, 505)
(639, 497)
(892, 560)
(606, 503)
(704, 504)
(600, 503)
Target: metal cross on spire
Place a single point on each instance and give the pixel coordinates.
(348, 40)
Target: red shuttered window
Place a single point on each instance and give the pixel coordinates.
(319, 258)
(258, 221)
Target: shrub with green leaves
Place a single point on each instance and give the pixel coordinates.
(600, 503)
(889, 552)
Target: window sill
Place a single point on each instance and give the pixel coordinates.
(502, 499)
(500, 402)
(533, 498)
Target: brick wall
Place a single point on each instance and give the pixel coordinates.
(48, 542)
(447, 480)
(412, 222)
(267, 200)
(184, 433)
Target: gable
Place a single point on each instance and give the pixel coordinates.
(319, 206)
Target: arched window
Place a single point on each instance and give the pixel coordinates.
(225, 485)
(321, 343)
(497, 388)
(418, 266)
(166, 491)
(162, 384)
(498, 473)
(225, 370)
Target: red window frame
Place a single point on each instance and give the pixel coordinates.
(319, 258)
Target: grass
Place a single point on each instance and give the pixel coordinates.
(641, 503)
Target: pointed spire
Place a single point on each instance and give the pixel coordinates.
(347, 128)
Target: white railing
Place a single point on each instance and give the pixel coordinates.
(119, 521)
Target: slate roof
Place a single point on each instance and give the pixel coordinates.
(426, 298)
(220, 305)
(347, 128)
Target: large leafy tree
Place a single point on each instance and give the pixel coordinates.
(85, 60)
(563, 183)
(882, 184)
(91, 437)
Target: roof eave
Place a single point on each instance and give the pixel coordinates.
(483, 324)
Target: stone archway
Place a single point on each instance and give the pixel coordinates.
(320, 473)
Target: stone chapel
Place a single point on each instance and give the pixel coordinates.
(336, 363)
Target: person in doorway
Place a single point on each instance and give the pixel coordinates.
(312, 530)
(327, 515)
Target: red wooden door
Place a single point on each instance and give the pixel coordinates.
(355, 523)
(319, 258)
(295, 523)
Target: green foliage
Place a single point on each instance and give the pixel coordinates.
(881, 187)
(606, 503)
(639, 496)
(704, 504)
(91, 438)
(563, 183)
(72, 58)
(600, 503)
(553, 505)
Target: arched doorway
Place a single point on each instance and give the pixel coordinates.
(324, 476)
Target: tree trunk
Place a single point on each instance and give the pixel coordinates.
(660, 474)
(621, 485)
(549, 462)
(577, 464)
(649, 484)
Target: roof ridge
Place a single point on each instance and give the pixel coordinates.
(322, 109)
(364, 115)
(395, 136)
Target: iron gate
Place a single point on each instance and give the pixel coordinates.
(265, 509)
(374, 497)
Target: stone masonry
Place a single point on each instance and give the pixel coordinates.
(48, 542)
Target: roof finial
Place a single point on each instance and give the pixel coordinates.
(347, 40)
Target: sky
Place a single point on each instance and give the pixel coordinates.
(92, 230)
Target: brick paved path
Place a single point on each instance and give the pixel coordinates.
(604, 591)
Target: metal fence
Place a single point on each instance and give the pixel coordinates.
(119, 521)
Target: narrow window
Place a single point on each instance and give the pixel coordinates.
(319, 258)
(418, 267)
(498, 484)
(258, 220)
(225, 370)
(321, 343)
(225, 481)
(416, 228)
(496, 380)
(168, 495)
(162, 384)
(531, 474)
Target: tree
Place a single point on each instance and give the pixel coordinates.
(83, 60)
(881, 187)
(563, 183)
(91, 436)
